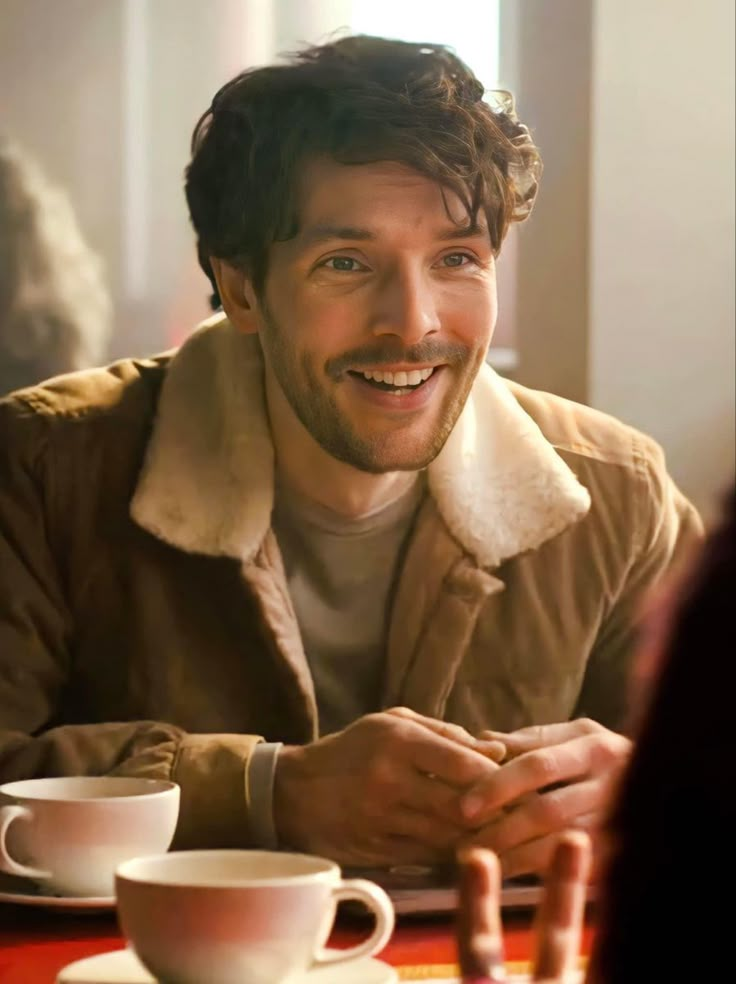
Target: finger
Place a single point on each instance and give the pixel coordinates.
(424, 829)
(540, 736)
(436, 755)
(559, 921)
(431, 795)
(425, 794)
(535, 856)
(479, 932)
(540, 814)
(543, 767)
(398, 850)
(493, 749)
(385, 851)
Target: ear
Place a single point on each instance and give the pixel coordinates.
(239, 300)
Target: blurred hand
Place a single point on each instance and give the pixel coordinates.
(386, 790)
(559, 921)
(555, 777)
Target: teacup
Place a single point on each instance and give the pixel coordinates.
(227, 916)
(70, 834)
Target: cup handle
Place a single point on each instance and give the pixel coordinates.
(380, 905)
(7, 815)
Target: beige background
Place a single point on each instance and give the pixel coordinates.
(661, 316)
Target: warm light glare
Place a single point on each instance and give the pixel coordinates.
(472, 32)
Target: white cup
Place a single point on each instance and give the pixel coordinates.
(70, 834)
(229, 917)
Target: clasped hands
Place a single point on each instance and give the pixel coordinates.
(399, 788)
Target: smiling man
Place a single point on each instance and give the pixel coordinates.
(354, 592)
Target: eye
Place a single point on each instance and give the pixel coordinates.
(457, 260)
(343, 264)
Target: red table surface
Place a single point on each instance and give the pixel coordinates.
(35, 944)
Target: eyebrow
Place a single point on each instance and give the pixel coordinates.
(319, 234)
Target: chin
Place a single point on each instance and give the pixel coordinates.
(384, 466)
(378, 457)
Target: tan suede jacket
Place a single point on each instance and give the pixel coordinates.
(145, 622)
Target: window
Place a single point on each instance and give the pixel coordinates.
(473, 34)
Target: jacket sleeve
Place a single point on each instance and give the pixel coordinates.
(668, 529)
(36, 643)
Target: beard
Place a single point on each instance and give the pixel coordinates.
(395, 449)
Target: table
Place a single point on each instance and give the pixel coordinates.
(35, 943)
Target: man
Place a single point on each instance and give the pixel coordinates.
(325, 522)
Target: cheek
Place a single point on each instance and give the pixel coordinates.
(471, 316)
(327, 330)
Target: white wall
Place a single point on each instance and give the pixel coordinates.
(625, 295)
(545, 59)
(105, 96)
(661, 267)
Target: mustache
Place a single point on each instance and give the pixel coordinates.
(387, 353)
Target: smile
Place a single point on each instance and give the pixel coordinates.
(396, 382)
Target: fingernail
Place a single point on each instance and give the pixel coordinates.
(571, 857)
(495, 751)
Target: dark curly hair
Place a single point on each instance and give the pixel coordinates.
(358, 100)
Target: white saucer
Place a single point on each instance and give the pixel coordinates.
(123, 967)
(22, 891)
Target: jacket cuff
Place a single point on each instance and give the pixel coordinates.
(259, 777)
(211, 770)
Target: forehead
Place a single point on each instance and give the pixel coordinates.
(330, 194)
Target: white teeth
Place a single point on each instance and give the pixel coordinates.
(400, 379)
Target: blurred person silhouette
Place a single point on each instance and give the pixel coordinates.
(55, 312)
(671, 821)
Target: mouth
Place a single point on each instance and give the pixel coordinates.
(399, 383)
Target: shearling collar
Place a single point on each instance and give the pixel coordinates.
(207, 485)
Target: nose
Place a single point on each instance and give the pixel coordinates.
(405, 306)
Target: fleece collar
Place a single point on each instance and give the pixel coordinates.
(207, 484)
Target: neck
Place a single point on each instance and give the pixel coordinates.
(305, 466)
